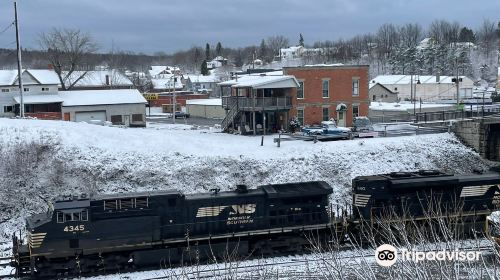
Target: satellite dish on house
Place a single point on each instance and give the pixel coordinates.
(341, 107)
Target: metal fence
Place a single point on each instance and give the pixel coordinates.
(382, 130)
(426, 117)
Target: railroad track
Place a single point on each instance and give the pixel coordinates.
(250, 270)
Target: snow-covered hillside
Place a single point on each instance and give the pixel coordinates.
(40, 160)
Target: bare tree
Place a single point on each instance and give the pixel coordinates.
(410, 34)
(487, 36)
(275, 43)
(66, 50)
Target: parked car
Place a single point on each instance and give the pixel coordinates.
(329, 129)
(181, 115)
(363, 128)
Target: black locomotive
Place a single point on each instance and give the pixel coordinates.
(111, 232)
(427, 192)
(115, 232)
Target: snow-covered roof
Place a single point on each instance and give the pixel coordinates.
(167, 82)
(158, 69)
(97, 78)
(101, 97)
(208, 102)
(39, 99)
(7, 77)
(406, 79)
(324, 65)
(389, 106)
(203, 79)
(44, 77)
(262, 81)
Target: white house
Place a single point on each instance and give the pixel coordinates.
(39, 86)
(202, 84)
(292, 52)
(167, 82)
(426, 88)
(160, 71)
(217, 62)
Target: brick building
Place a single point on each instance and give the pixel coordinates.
(329, 91)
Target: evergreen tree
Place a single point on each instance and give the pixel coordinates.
(301, 40)
(263, 50)
(204, 68)
(207, 52)
(466, 35)
(218, 49)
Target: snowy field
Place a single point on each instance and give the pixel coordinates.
(44, 159)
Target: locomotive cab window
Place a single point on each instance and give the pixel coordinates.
(72, 216)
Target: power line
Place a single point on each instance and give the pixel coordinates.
(7, 28)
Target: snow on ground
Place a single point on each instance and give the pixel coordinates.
(40, 160)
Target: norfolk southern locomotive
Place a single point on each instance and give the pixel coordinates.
(115, 232)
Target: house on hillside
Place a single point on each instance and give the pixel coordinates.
(39, 96)
(217, 62)
(167, 82)
(203, 84)
(161, 71)
(329, 91)
(257, 103)
(291, 52)
(426, 88)
(98, 79)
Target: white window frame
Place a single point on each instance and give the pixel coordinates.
(323, 113)
(301, 82)
(327, 88)
(357, 106)
(303, 115)
(355, 80)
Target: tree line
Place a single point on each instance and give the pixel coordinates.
(392, 49)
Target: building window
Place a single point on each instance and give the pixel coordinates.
(8, 109)
(116, 119)
(374, 97)
(326, 86)
(355, 87)
(45, 89)
(137, 117)
(300, 116)
(300, 90)
(26, 89)
(5, 90)
(355, 111)
(326, 113)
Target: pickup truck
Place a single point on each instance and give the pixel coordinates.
(328, 129)
(363, 128)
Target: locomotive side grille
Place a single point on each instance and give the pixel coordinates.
(35, 240)
(361, 200)
(210, 211)
(474, 191)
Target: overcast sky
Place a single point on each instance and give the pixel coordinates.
(169, 25)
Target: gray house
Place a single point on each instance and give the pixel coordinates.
(121, 106)
(379, 92)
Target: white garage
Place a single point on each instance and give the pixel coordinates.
(118, 106)
(90, 116)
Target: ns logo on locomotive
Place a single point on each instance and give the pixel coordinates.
(83, 235)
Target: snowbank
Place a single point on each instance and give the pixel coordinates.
(40, 160)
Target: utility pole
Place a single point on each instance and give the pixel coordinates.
(19, 67)
(173, 99)
(456, 84)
